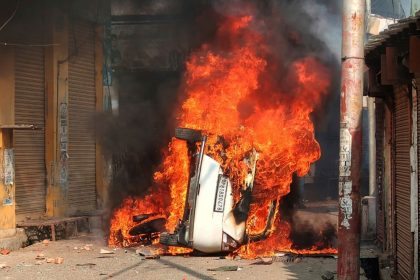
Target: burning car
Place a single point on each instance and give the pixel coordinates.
(212, 222)
(242, 136)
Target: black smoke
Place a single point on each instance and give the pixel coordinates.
(133, 140)
(312, 227)
(297, 29)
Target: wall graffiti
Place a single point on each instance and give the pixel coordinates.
(8, 176)
(63, 136)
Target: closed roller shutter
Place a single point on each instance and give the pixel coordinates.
(418, 164)
(404, 239)
(81, 98)
(29, 146)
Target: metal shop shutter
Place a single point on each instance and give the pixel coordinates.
(404, 239)
(379, 136)
(81, 98)
(418, 164)
(29, 146)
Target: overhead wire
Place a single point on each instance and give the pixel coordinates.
(20, 44)
(27, 45)
(11, 16)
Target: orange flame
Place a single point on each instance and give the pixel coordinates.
(230, 92)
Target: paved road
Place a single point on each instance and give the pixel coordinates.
(125, 264)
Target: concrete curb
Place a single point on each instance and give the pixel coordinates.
(14, 242)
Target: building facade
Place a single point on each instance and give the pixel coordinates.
(393, 59)
(51, 60)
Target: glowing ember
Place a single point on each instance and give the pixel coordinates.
(231, 92)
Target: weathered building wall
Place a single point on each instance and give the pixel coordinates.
(393, 58)
(150, 35)
(75, 89)
(53, 80)
(7, 117)
(379, 136)
(7, 185)
(148, 45)
(7, 76)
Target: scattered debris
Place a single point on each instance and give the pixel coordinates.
(144, 252)
(57, 260)
(3, 266)
(103, 251)
(225, 268)
(40, 257)
(4, 251)
(327, 275)
(297, 260)
(150, 252)
(237, 258)
(153, 257)
(87, 247)
(86, 264)
(285, 258)
(263, 261)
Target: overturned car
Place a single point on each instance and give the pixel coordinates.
(212, 221)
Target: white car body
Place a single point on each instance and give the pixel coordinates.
(214, 223)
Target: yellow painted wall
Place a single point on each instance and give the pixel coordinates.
(7, 117)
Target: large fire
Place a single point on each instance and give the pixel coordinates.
(231, 90)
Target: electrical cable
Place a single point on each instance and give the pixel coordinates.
(27, 45)
(393, 11)
(11, 16)
(21, 44)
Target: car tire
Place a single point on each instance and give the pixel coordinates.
(168, 239)
(188, 134)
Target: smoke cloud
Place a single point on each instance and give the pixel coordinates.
(133, 140)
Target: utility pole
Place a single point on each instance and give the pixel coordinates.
(353, 31)
(372, 146)
(372, 126)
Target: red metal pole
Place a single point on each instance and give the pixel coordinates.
(350, 139)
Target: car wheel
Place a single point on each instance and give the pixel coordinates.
(187, 134)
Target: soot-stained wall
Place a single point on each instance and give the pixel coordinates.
(150, 42)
